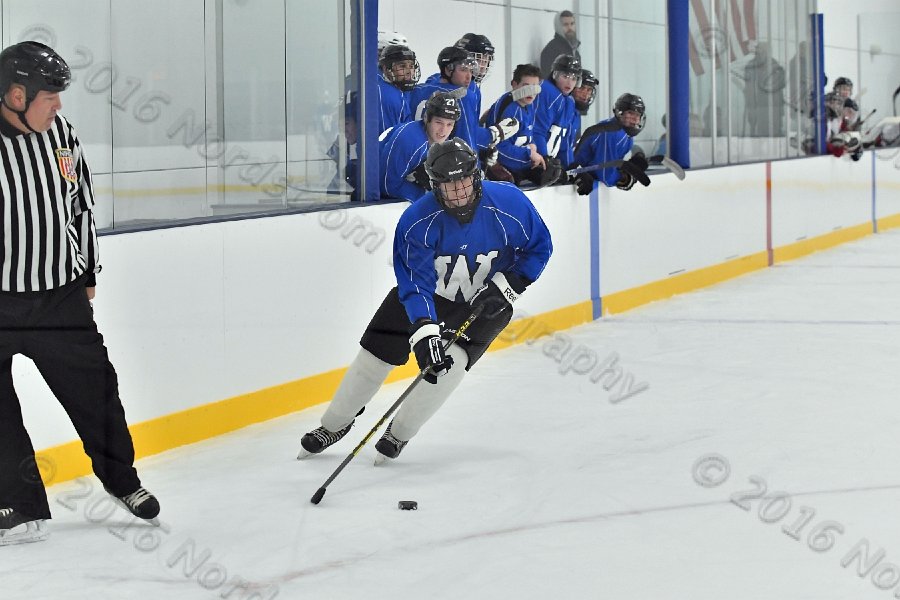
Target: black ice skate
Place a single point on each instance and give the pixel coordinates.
(16, 528)
(320, 438)
(141, 504)
(388, 446)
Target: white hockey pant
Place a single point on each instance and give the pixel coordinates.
(365, 376)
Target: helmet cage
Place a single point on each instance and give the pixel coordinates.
(450, 162)
(393, 55)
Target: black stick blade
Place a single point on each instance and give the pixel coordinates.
(317, 497)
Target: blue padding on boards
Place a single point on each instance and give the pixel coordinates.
(678, 119)
(816, 23)
(367, 18)
(596, 301)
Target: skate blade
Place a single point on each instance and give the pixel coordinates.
(304, 454)
(35, 531)
(381, 458)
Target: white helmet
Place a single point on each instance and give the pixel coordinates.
(391, 38)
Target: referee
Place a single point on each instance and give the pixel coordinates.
(48, 261)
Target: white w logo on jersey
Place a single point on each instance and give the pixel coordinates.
(460, 279)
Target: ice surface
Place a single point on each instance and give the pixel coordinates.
(536, 484)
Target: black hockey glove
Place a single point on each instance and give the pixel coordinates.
(425, 341)
(419, 177)
(639, 160)
(552, 171)
(626, 181)
(498, 294)
(635, 167)
(584, 184)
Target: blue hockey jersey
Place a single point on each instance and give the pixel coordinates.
(467, 128)
(436, 254)
(602, 143)
(514, 153)
(393, 104)
(556, 123)
(402, 150)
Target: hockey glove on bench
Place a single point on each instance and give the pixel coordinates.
(426, 344)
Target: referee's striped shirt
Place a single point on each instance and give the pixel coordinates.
(46, 197)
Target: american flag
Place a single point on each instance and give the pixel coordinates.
(733, 18)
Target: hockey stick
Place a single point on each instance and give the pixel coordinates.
(624, 165)
(669, 164)
(320, 493)
(656, 159)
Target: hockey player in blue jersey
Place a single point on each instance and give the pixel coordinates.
(466, 244)
(481, 50)
(556, 120)
(402, 151)
(584, 94)
(457, 72)
(611, 140)
(399, 75)
(517, 157)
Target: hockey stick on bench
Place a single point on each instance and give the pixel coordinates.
(669, 164)
(657, 159)
(320, 493)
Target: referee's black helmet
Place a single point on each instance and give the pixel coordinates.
(35, 66)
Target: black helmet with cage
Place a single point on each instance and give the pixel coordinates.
(630, 102)
(394, 54)
(450, 162)
(584, 99)
(481, 50)
(34, 66)
(452, 57)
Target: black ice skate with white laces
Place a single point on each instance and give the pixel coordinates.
(18, 528)
(388, 446)
(140, 503)
(320, 438)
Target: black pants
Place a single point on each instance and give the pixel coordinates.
(56, 330)
(387, 335)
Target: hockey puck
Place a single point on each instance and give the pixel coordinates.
(408, 505)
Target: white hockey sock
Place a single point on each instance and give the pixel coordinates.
(363, 378)
(427, 398)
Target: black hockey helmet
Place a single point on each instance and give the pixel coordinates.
(442, 104)
(588, 81)
(627, 102)
(394, 54)
(34, 66)
(479, 48)
(451, 57)
(842, 81)
(566, 63)
(451, 161)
